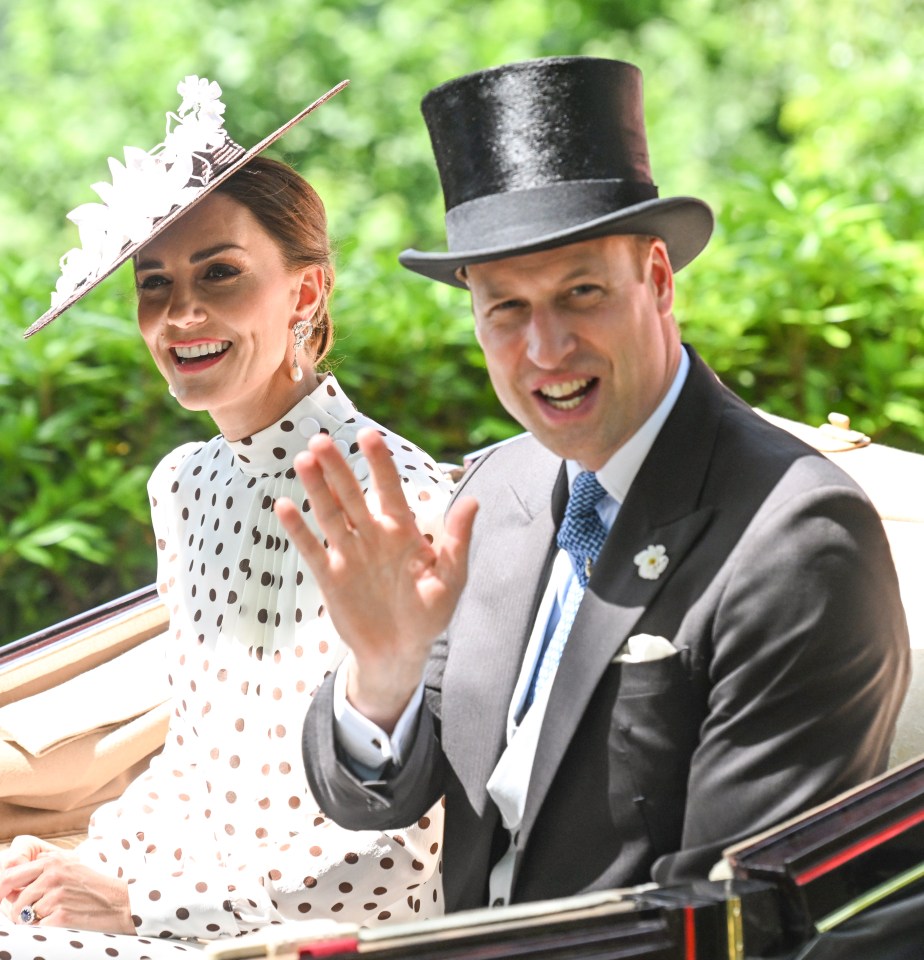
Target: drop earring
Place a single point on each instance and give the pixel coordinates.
(302, 330)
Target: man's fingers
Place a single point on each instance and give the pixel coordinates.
(337, 504)
(336, 487)
(385, 478)
(461, 519)
(307, 544)
(328, 484)
(457, 537)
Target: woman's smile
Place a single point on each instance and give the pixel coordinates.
(190, 357)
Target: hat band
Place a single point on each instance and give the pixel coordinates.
(521, 216)
(207, 167)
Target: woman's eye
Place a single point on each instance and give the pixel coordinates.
(151, 282)
(219, 271)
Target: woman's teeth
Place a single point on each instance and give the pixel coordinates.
(201, 350)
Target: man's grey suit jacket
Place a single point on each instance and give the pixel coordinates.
(781, 598)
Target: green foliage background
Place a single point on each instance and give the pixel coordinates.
(800, 124)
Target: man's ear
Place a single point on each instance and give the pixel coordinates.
(661, 276)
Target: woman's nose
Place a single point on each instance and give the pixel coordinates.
(184, 310)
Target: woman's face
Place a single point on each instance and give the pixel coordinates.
(216, 304)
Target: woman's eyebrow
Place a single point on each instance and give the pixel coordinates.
(197, 257)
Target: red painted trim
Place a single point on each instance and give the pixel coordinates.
(328, 948)
(689, 931)
(858, 848)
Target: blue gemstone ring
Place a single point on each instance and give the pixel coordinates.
(28, 915)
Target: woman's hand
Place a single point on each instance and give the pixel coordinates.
(389, 592)
(63, 892)
(22, 849)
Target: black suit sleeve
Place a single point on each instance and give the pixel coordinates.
(809, 667)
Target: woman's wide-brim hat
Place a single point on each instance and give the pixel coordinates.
(543, 153)
(154, 188)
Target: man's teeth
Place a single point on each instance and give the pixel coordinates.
(201, 350)
(565, 396)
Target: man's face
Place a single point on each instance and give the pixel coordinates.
(580, 341)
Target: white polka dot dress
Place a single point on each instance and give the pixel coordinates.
(221, 835)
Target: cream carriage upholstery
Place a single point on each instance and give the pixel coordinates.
(80, 717)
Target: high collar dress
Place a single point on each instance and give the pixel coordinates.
(221, 835)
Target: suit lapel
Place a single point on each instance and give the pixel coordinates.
(507, 576)
(662, 508)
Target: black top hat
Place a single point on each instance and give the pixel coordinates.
(543, 153)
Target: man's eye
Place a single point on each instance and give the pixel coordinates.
(584, 290)
(506, 306)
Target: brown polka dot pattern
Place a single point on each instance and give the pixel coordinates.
(20, 942)
(232, 838)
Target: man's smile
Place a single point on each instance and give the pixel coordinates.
(567, 395)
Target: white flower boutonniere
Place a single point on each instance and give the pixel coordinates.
(652, 562)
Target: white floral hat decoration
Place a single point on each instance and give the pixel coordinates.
(153, 188)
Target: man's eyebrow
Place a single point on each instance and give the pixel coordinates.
(497, 291)
(578, 271)
(197, 257)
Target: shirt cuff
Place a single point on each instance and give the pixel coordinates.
(368, 748)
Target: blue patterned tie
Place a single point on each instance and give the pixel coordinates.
(581, 534)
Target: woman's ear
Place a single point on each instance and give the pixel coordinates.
(310, 292)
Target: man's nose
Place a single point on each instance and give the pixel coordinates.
(550, 338)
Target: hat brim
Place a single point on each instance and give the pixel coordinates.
(176, 213)
(683, 223)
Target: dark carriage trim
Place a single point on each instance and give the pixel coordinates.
(129, 604)
(59, 652)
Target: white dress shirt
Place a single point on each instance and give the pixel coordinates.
(370, 748)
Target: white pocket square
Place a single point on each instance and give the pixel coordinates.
(643, 647)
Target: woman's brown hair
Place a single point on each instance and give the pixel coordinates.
(292, 213)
